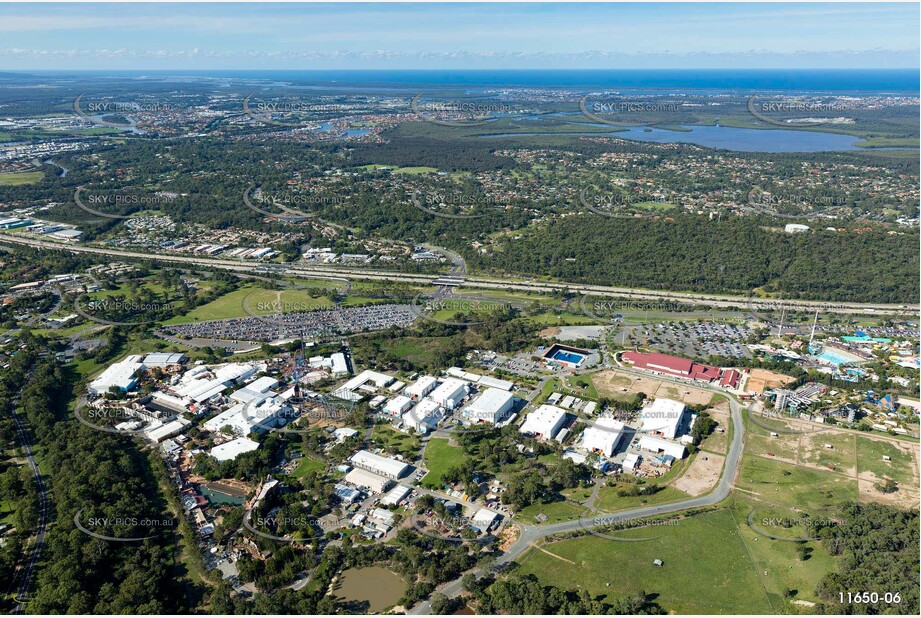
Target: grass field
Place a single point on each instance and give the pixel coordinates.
(779, 559)
(307, 465)
(395, 441)
(555, 512)
(609, 502)
(706, 570)
(15, 179)
(870, 459)
(817, 492)
(439, 456)
(259, 301)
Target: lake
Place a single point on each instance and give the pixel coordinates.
(380, 587)
(728, 138)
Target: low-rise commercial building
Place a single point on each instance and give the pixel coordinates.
(492, 406)
(544, 422)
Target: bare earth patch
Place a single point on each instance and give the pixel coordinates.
(702, 475)
(760, 380)
(613, 383)
(906, 497)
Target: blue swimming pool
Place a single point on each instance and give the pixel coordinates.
(568, 357)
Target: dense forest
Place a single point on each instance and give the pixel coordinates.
(693, 254)
(877, 548)
(100, 477)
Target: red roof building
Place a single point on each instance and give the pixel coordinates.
(681, 368)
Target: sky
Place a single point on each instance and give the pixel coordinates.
(394, 36)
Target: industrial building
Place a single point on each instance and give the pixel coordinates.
(121, 375)
(368, 481)
(398, 406)
(658, 445)
(384, 466)
(424, 417)
(256, 415)
(450, 393)
(255, 389)
(492, 406)
(421, 387)
(396, 495)
(230, 450)
(663, 417)
(164, 359)
(544, 422)
(603, 436)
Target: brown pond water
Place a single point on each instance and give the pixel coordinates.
(376, 585)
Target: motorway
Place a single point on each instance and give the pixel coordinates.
(505, 283)
(531, 534)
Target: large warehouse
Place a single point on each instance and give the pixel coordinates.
(663, 417)
(603, 436)
(368, 481)
(450, 393)
(492, 406)
(658, 445)
(544, 422)
(121, 375)
(681, 368)
(386, 467)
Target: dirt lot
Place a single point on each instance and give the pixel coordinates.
(906, 497)
(616, 384)
(760, 380)
(702, 475)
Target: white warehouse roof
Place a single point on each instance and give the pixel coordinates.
(121, 374)
(603, 436)
(370, 481)
(378, 464)
(491, 405)
(230, 450)
(544, 422)
(662, 416)
(656, 445)
(421, 387)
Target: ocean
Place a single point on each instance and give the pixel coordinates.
(863, 81)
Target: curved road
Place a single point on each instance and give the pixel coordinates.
(531, 534)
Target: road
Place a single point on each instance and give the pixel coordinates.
(22, 591)
(506, 283)
(531, 534)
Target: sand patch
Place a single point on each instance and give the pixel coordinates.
(702, 475)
